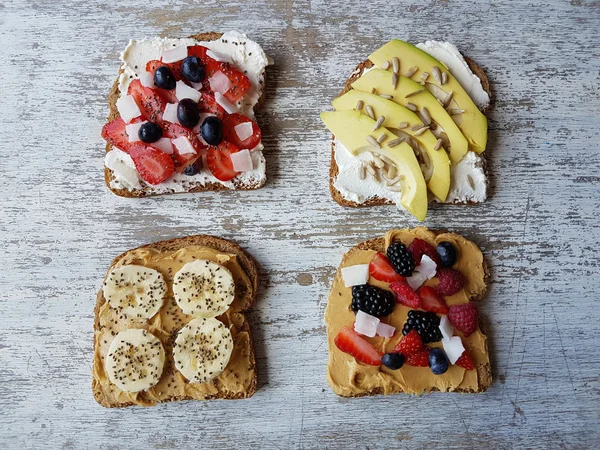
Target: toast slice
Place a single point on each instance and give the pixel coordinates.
(376, 200)
(187, 185)
(350, 378)
(237, 381)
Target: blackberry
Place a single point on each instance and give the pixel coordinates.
(372, 300)
(402, 261)
(427, 325)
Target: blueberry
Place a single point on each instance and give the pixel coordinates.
(193, 69)
(194, 168)
(150, 132)
(438, 361)
(212, 130)
(163, 78)
(393, 360)
(447, 253)
(188, 113)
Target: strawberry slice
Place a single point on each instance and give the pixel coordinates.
(114, 133)
(153, 165)
(175, 67)
(381, 269)
(432, 301)
(150, 102)
(219, 160)
(410, 344)
(465, 361)
(405, 294)
(230, 135)
(208, 104)
(350, 342)
(419, 359)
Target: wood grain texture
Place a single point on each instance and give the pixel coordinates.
(60, 227)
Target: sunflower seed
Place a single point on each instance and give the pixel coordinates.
(432, 125)
(455, 112)
(416, 127)
(370, 111)
(362, 172)
(411, 106)
(425, 115)
(359, 105)
(411, 71)
(391, 172)
(448, 98)
(373, 91)
(395, 188)
(444, 77)
(395, 79)
(396, 64)
(437, 74)
(379, 122)
(385, 65)
(402, 125)
(424, 76)
(426, 159)
(471, 183)
(395, 142)
(382, 137)
(410, 94)
(393, 180)
(421, 130)
(438, 144)
(371, 140)
(377, 162)
(372, 171)
(387, 96)
(439, 101)
(386, 160)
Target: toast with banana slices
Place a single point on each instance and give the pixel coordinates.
(170, 324)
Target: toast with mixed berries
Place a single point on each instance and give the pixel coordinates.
(402, 316)
(452, 163)
(181, 116)
(180, 307)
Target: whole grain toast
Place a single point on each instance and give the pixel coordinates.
(113, 113)
(105, 391)
(484, 372)
(376, 200)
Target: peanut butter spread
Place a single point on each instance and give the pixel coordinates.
(239, 373)
(348, 378)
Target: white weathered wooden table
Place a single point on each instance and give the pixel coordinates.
(60, 227)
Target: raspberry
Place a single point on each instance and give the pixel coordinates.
(405, 294)
(451, 281)
(465, 361)
(411, 343)
(464, 317)
(419, 359)
(419, 247)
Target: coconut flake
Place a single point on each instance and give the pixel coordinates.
(170, 114)
(174, 54)
(385, 330)
(182, 91)
(243, 130)
(183, 145)
(416, 280)
(355, 275)
(446, 327)
(225, 104)
(128, 108)
(453, 347)
(366, 324)
(147, 80)
(219, 82)
(242, 161)
(218, 56)
(133, 130)
(164, 145)
(198, 86)
(427, 267)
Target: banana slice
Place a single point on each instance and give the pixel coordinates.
(203, 288)
(135, 360)
(136, 291)
(202, 349)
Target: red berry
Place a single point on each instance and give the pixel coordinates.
(229, 134)
(381, 269)
(419, 359)
(451, 281)
(208, 104)
(114, 133)
(419, 247)
(465, 361)
(464, 317)
(411, 343)
(175, 68)
(153, 165)
(432, 301)
(151, 104)
(219, 160)
(350, 342)
(405, 294)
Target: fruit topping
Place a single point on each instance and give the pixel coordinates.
(372, 300)
(401, 260)
(464, 317)
(350, 342)
(451, 281)
(193, 69)
(238, 82)
(150, 132)
(419, 359)
(447, 253)
(212, 130)
(188, 114)
(453, 348)
(208, 104)
(183, 91)
(438, 362)
(366, 324)
(153, 165)
(419, 247)
(426, 323)
(393, 361)
(151, 104)
(114, 133)
(446, 328)
(405, 294)
(432, 301)
(385, 330)
(241, 131)
(242, 161)
(381, 269)
(465, 361)
(409, 344)
(164, 78)
(193, 168)
(219, 160)
(128, 108)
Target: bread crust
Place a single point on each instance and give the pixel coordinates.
(376, 200)
(113, 113)
(484, 372)
(249, 266)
